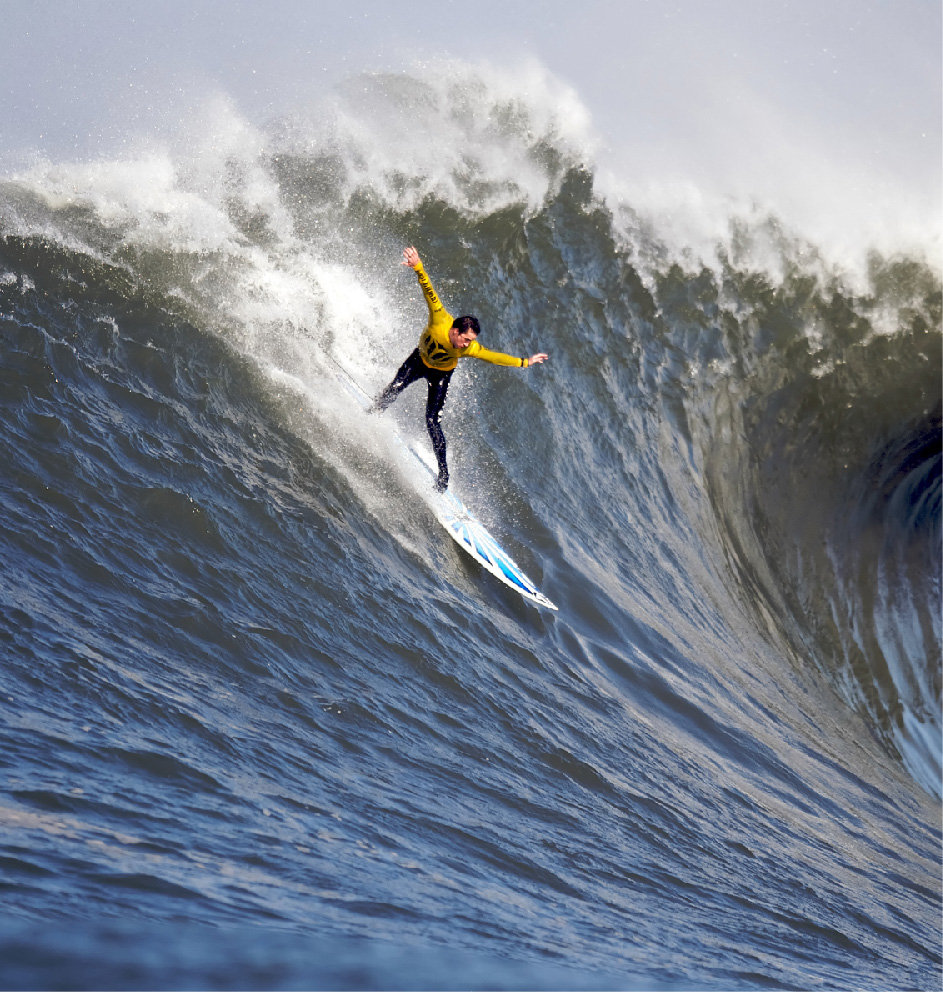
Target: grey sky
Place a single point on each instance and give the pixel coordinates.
(715, 90)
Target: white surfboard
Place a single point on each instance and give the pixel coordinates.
(463, 526)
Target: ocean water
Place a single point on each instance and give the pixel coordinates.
(264, 725)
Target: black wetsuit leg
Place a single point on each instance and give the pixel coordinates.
(413, 369)
(409, 372)
(438, 387)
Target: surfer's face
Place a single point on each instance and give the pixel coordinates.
(461, 339)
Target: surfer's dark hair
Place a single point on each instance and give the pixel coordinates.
(467, 323)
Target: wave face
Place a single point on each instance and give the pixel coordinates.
(251, 685)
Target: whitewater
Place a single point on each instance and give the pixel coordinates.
(265, 725)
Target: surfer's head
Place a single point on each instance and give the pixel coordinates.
(463, 331)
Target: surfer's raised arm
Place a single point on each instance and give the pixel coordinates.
(437, 312)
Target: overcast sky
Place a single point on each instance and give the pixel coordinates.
(718, 89)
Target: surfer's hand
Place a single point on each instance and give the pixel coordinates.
(410, 257)
(537, 359)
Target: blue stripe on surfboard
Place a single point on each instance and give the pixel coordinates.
(468, 531)
(491, 553)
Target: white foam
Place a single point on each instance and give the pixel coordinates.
(475, 136)
(767, 166)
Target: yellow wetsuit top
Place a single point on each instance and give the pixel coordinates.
(435, 349)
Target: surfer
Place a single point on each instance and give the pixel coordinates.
(444, 341)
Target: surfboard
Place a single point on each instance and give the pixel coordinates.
(463, 526)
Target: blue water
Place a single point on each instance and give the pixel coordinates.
(264, 725)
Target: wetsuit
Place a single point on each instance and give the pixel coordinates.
(435, 360)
